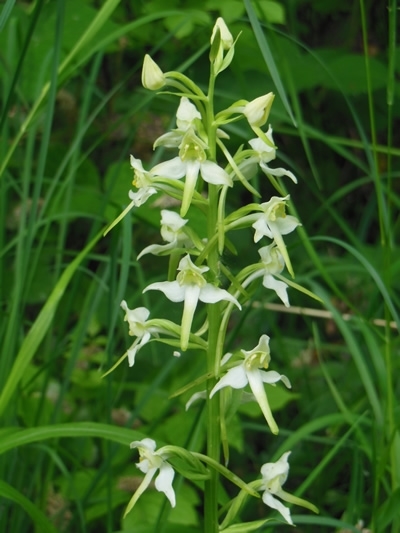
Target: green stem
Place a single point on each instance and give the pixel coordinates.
(213, 357)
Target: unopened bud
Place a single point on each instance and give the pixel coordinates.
(257, 111)
(152, 76)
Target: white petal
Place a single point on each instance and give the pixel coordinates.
(157, 249)
(172, 139)
(272, 502)
(136, 164)
(257, 388)
(280, 287)
(164, 480)
(192, 168)
(286, 224)
(141, 196)
(210, 294)
(212, 173)
(186, 113)
(262, 228)
(192, 292)
(273, 377)
(201, 395)
(174, 169)
(236, 378)
(172, 290)
(278, 172)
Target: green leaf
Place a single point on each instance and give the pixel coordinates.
(41, 522)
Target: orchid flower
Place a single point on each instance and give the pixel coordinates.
(274, 476)
(250, 371)
(187, 117)
(190, 287)
(273, 222)
(151, 461)
(264, 153)
(191, 161)
(138, 328)
(171, 232)
(272, 263)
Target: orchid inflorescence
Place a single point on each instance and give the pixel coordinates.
(197, 178)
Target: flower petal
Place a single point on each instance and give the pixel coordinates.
(141, 196)
(236, 378)
(278, 172)
(280, 287)
(212, 173)
(272, 502)
(273, 377)
(257, 388)
(172, 290)
(173, 168)
(192, 292)
(164, 480)
(210, 294)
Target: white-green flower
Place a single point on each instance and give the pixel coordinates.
(151, 461)
(264, 153)
(272, 263)
(191, 161)
(152, 76)
(250, 370)
(187, 117)
(189, 287)
(257, 111)
(225, 34)
(172, 232)
(139, 328)
(273, 222)
(274, 476)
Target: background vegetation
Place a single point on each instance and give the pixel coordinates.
(72, 110)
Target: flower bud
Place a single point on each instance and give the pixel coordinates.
(226, 36)
(257, 111)
(152, 76)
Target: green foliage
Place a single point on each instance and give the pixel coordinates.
(72, 110)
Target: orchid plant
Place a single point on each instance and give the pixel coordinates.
(200, 176)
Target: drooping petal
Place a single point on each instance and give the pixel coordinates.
(262, 229)
(164, 480)
(172, 290)
(139, 491)
(278, 172)
(192, 293)
(192, 172)
(272, 502)
(280, 287)
(157, 249)
(212, 173)
(236, 378)
(201, 395)
(273, 377)
(173, 168)
(257, 388)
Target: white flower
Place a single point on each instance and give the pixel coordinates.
(138, 328)
(257, 111)
(150, 462)
(274, 476)
(171, 232)
(272, 263)
(187, 117)
(190, 287)
(152, 76)
(250, 371)
(191, 161)
(264, 153)
(273, 222)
